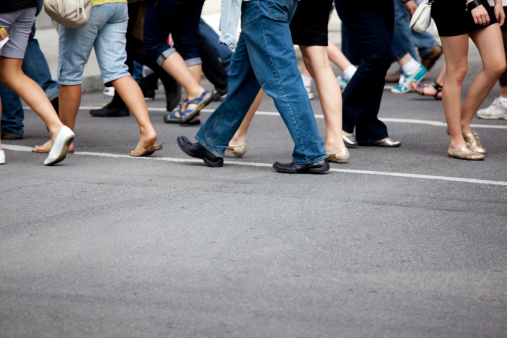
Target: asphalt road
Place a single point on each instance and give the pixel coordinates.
(398, 243)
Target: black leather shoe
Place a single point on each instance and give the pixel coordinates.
(291, 168)
(198, 151)
(390, 143)
(110, 112)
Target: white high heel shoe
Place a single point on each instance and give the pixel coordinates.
(2, 157)
(60, 147)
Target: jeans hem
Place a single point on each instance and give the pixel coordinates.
(209, 148)
(320, 158)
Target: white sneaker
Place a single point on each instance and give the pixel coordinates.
(311, 96)
(2, 157)
(494, 112)
(108, 91)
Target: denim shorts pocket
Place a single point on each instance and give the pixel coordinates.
(279, 9)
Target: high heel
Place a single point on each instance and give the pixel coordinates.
(473, 140)
(2, 157)
(237, 150)
(341, 156)
(465, 153)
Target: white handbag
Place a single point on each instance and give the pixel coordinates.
(422, 17)
(69, 13)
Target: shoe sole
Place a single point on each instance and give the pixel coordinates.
(208, 162)
(63, 152)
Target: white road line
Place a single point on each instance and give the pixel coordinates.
(256, 164)
(320, 116)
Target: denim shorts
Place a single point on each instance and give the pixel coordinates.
(105, 32)
(19, 25)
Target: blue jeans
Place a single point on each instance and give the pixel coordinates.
(222, 51)
(425, 42)
(371, 28)
(265, 58)
(105, 32)
(36, 67)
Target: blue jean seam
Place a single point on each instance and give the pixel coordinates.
(275, 73)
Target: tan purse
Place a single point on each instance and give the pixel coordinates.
(69, 13)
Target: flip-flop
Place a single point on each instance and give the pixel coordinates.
(141, 151)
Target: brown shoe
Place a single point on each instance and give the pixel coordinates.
(11, 137)
(429, 60)
(393, 77)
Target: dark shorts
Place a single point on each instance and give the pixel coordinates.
(309, 25)
(452, 19)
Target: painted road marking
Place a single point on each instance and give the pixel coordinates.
(256, 164)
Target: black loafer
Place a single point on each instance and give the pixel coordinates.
(110, 112)
(198, 151)
(292, 168)
(390, 143)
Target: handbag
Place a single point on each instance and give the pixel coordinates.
(422, 17)
(69, 13)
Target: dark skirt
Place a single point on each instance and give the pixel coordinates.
(451, 17)
(309, 25)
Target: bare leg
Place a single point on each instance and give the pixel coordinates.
(337, 57)
(13, 77)
(487, 41)
(456, 59)
(186, 77)
(317, 63)
(133, 97)
(240, 137)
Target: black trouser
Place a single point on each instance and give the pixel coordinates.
(136, 51)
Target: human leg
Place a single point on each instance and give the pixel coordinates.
(317, 62)
(12, 115)
(493, 59)
(371, 28)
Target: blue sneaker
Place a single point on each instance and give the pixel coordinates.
(415, 77)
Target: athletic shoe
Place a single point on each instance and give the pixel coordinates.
(108, 91)
(311, 96)
(342, 82)
(415, 77)
(494, 112)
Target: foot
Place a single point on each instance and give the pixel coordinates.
(496, 111)
(46, 148)
(110, 112)
(431, 89)
(414, 77)
(198, 151)
(60, 146)
(146, 144)
(339, 156)
(11, 137)
(464, 153)
(311, 168)
(385, 142)
(237, 150)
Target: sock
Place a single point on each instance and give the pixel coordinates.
(307, 80)
(503, 101)
(411, 67)
(349, 72)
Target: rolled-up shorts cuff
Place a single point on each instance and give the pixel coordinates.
(165, 54)
(193, 62)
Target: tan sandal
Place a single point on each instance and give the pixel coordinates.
(141, 151)
(46, 148)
